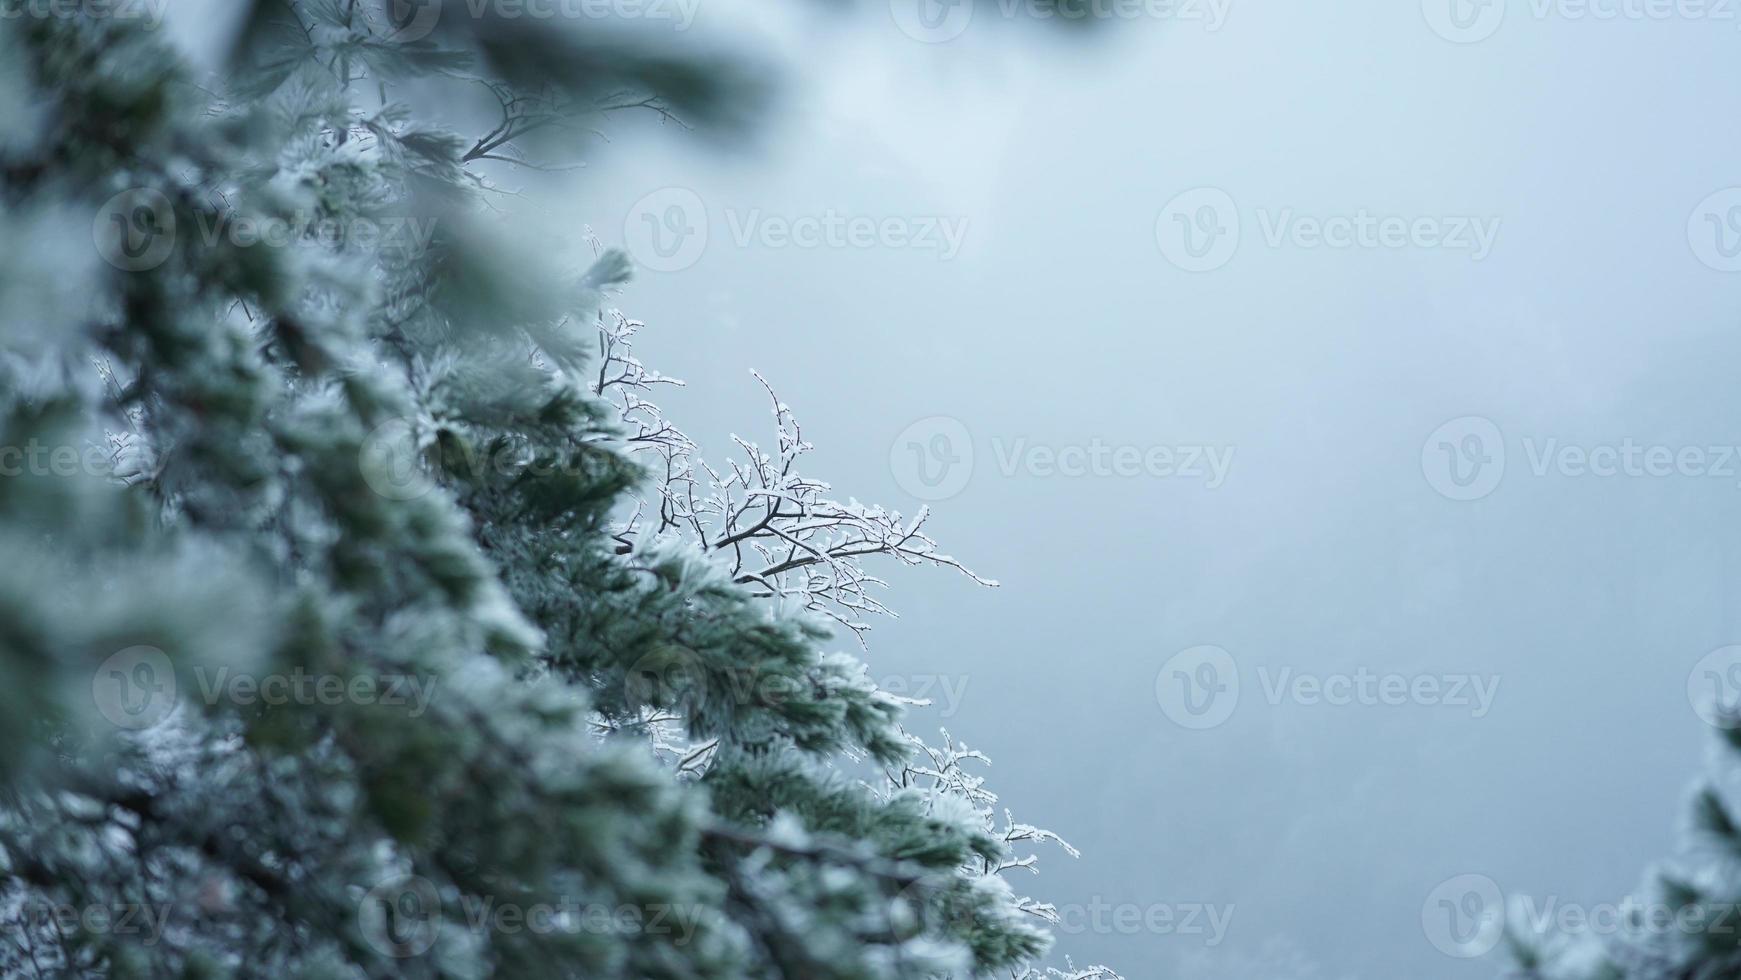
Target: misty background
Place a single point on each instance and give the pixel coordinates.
(1061, 318)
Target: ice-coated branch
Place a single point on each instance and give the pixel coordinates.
(777, 531)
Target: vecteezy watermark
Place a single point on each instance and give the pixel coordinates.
(1474, 692)
(943, 691)
(141, 924)
(1632, 459)
(1714, 230)
(937, 21)
(1474, 234)
(1714, 687)
(1097, 458)
(1467, 915)
(146, 12)
(933, 904)
(940, 234)
(401, 917)
(1464, 21)
(1464, 916)
(300, 687)
(933, 459)
(1469, 21)
(137, 230)
(680, 14)
(567, 916)
(669, 676)
(402, 460)
(404, 916)
(404, 235)
(407, 21)
(674, 676)
(1200, 230)
(669, 229)
(1203, 921)
(393, 463)
(137, 687)
(1199, 688)
(36, 458)
(1464, 459)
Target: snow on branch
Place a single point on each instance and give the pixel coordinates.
(776, 531)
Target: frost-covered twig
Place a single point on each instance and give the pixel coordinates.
(775, 530)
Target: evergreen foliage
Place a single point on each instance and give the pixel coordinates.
(1684, 923)
(531, 656)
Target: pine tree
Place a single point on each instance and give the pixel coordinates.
(1684, 923)
(362, 615)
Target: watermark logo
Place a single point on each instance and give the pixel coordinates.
(1368, 688)
(674, 678)
(401, 917)
(135, 688)
(939, 234)
(1098, 458)
(135, 230)
(1198, 230)
(1464, 459)
(391, 461)
(1198, 688)
(407, 21)
(669, 677)
(1714, 230)
(1467, 916)
(397, 462)
(937, 21)
(1212, 14)
(1464, 21)
(1470, 21)
(565, 916)
(680, 14)
(404, 236)
(1464, 916)
(943, 691)
(36, 458)
(1364, 230)
(932, 459)
(666, 231)
(1714, 687)
(141, 924)
(300, 687)
(932, 21)
(938, 904)
(148, 12)
(669, 230)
